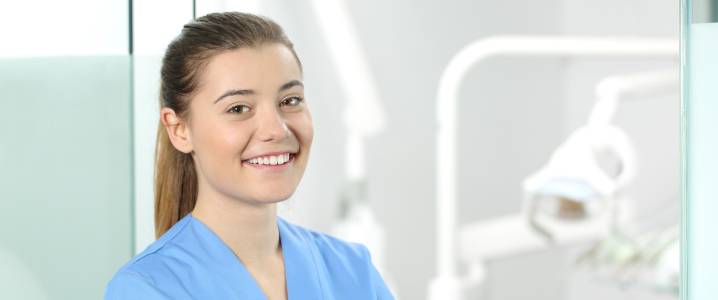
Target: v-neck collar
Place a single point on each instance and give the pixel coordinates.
(301, 271)
(300, 267)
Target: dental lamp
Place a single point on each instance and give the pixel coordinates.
(576, 184)
(509, 235)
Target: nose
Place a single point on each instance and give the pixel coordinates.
(272, 126)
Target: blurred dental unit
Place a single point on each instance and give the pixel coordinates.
(577, 196)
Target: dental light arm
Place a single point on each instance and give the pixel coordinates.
(639, 85)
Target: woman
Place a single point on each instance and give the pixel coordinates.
(234, 140)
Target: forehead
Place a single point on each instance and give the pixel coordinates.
(266, 66)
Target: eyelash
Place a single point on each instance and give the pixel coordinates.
(232, 109)
(297, 98)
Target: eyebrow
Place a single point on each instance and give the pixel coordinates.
(285, 86)
(290, 84)
(235, 92)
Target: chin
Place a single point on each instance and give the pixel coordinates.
(272, 196)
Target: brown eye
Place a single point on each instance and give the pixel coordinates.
(290, 101)
(239, 109)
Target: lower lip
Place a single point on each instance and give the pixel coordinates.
(273, 167)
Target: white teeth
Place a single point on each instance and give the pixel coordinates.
(270, 160)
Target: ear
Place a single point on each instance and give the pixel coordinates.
(178, 132)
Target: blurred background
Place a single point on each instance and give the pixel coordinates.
(79, 113)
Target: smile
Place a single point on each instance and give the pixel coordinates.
(270, 160)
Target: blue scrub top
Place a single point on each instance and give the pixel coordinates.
(191, 262)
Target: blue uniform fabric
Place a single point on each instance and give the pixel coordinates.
(191, 262)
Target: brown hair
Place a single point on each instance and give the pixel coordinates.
(185, 59)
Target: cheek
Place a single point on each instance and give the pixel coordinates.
(304, 130)
(217, 142)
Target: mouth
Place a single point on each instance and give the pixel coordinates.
(271, 160)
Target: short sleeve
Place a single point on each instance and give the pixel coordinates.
(127, 285)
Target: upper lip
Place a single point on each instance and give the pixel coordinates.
(272, 154)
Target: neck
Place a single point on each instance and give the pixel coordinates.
(249, 230)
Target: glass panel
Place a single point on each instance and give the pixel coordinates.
(65, 148)
(700, 37)
(64, 175)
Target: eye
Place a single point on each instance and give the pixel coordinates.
(292, 101)
(239, 109)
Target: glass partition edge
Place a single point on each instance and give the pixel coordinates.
(685, 21)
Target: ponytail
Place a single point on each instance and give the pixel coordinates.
(175, 183)
(182, 65)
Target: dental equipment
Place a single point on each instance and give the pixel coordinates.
(447, 285)
(574, 184)
(650, 259)
(583, 193)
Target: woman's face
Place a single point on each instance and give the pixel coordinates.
(250, 129)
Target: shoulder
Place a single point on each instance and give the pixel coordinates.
(328, 245)
(141, 274)
(130, 285)
(346, 267)
(343, 263)
(162, 249)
